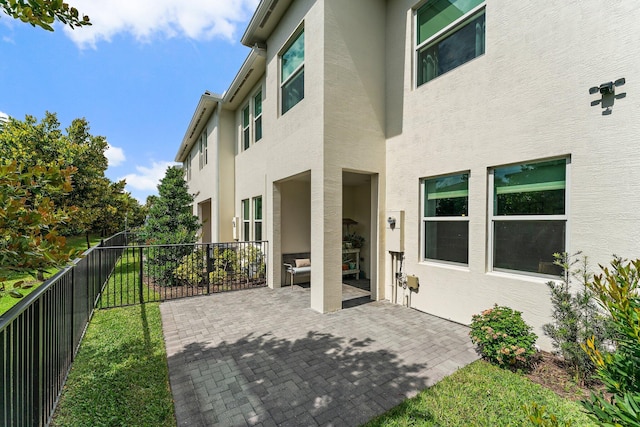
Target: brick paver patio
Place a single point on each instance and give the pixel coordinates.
(263, 357)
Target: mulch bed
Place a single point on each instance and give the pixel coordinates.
(551, 372)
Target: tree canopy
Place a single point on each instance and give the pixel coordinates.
(29, 219)
(53, 184)
(171, 218)
(100, 205)
(170, 222)
(43, 13)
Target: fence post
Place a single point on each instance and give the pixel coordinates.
(72, 316)
(207, 270)
(140, 271)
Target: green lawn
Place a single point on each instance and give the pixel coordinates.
(80, 242)
(480, 395)
(7, 301)
(120, 376)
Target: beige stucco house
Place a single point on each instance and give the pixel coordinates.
(487, 130)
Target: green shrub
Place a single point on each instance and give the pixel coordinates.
(217, 276)
(617, 291)
(225, 260)
(576, 317)
(503, 337)
(192, 268)
(251, 262)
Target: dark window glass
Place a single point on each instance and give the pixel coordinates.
(452, 51)
(528, 245)
(258, 130)
(293, 91)
(447, 241)
(258, 231)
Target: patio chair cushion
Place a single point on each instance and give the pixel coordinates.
(303, 262)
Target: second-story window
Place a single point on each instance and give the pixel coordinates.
(203, 149)
(251, 121)
(187, 167)
(246, 129)
(257, 116)
(292, 73)
(449, 33)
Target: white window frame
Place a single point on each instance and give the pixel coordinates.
(203, 149)
(493, 217)
(246, 222)
(440, 35)
(425, 219)
(250, 127)
(299, 31)
(257, 117)
(256, 220)
(245, 144)
(187, 167)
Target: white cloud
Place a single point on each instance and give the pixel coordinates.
(115, 155)
(147, 178)
(145, 19)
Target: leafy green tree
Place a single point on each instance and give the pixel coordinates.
(43, 13)
(92, 190)
(170, 221)
(120, 211)
(99, 204)
(29, 220)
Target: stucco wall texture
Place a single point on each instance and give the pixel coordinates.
(527, 98)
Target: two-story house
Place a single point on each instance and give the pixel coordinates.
(495, 134)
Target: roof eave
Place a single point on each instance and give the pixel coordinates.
(254, 61)
(263, 21)
(206, 105)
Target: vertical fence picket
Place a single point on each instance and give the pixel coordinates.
(140, 284)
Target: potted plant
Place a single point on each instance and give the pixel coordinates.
(356, 240)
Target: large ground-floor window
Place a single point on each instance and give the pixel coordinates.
(445, 218)
(528, 215)
(257, 218)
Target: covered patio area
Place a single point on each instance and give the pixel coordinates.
(263, 357)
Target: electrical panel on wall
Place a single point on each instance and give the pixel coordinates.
(395, 231)
(235, 223)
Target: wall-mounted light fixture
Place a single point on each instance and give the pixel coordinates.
(608, 92)
(608, 87)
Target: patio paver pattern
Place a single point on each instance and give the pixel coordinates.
(262, 357)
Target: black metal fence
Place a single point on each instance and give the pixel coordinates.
(40, 336)
(148, 273)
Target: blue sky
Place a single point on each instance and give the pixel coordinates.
(136, 75)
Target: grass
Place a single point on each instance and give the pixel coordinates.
(122, 288)
(6, 301)
(480, 395)
(120, 375)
